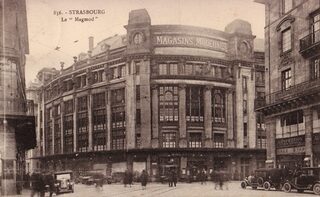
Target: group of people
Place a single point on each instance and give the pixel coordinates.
(128, 178)
(220, 179)
(38, 182)
(172, 178)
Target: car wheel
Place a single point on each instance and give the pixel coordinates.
(266, 185)
(287, 187)
(316, 189)
(260, 182)
(243, 185)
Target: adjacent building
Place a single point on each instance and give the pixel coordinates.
(16, 125)
(157, 98)
(292, 60)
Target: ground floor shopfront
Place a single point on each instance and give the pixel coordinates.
(188, 163)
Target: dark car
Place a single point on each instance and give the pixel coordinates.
(265, 178)
(271, 178)
(303, 179)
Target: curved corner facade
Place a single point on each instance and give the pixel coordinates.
(160, 96)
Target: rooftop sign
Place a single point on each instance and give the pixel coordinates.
(190, 41)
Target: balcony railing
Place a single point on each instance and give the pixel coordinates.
(296, 91)
(310, 40)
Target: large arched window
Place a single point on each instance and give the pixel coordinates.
(218, 106)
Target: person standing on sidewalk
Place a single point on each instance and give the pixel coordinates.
(144, 179)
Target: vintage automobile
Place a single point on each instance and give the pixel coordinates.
(303, 179)
(265, 178)
(250, 181)
(63, 182)
(271, 178)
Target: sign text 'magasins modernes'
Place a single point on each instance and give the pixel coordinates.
(190, 41)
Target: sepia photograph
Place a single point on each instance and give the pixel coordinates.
(159, 98)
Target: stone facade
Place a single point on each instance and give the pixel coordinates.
(157, 98)
(292, 82)
(17, 128)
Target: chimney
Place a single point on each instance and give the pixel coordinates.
(75, 59)
(91, 43)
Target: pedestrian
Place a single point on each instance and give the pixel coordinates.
(42, 185)
(170, 178)
(126, 178)
(34, 184)
(174, 178)
(203, 177)
(50, 183)
(130, 178)
(19, 183)
(216, 179)
(221, 180)
(144, 179)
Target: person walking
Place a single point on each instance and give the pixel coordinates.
(170, 178)
(42, 185)
(130, 178)
(126, 178)
(174, 177)
(144, 179)
(34, 184)
(50, 182)
(203, 177)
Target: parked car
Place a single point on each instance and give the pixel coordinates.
(271, 178)
(63, 182)
(250, 181)
(265, 178)
(303, 179)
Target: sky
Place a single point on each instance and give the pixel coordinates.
(52, 41)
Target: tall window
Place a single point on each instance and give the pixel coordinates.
(49, 138)
(261, 141)
(194, 104)
(115, 73)
(244, 83)
(315, 27)
(169, 140)
(168, 103)
(218, 106)
(122, 71)
(286, 40)
(286, 5)
(97, 76)
(99, 121)
(137, 67)
(163, 69)
(218, 140)
(57, 136)
(195, 140)
(173, 68)
(68, 134)
(68, 106)
(83, 131)
(188, 69)
(118, 119)
(286, 79)
(315, 68)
